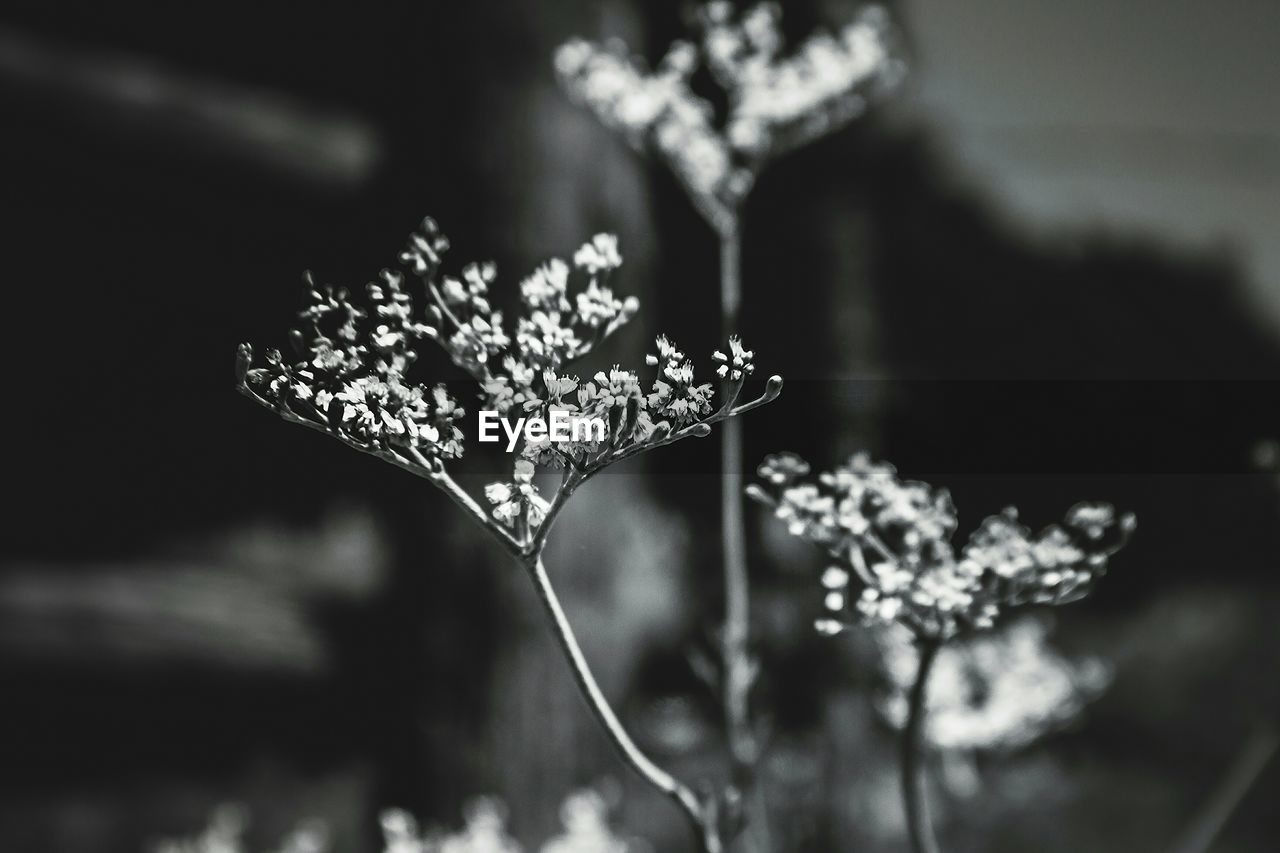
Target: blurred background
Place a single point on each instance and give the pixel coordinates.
(1047, 270)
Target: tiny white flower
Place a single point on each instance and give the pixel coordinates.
(835, 577)
(600, 255)
(497, 493)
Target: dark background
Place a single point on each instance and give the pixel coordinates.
(199, 604)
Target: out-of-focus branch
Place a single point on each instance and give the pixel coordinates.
(1231, 789)
(737, 660)
(915, 804)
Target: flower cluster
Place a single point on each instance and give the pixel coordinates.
(995, 691)
(556, 327)
(518, 501)
(374, 410)
(617, 396)
(894, 537)
(675, 395)
(738, 364)
(583, 815)
(225, 834)
(775, 102)
(674, 403)
(485, 832)
(351, 373)
(552, 329)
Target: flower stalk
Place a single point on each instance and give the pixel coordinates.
(738, 666)
(351, 381)
(914, 796)
(777, 102)
(893, 538)
(683, 796)
(1250, 761)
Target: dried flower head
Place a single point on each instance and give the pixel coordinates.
(776, 102)
(350, 376)
(894, 537)
(349, 373)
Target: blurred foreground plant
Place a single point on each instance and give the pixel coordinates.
(775, 102)
(349, 377)
(584, 818)
(225, 834)
(892, 539)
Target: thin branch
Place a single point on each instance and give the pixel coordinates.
(915, 804)
(702, 428)
(293, 417)
(568, 460)
(660, 779)
(714, 211)
(771, 391)
(438, 298)
(1239, 778)
(416, 464)
(470, 505)
(566, 490)
(737, 660)
(858, 561)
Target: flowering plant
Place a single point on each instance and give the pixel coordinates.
(584, 816)
(350, 378)
(353, 372)
(894, 537)
(776, 102)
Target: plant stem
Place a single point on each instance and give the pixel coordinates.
(1244, 771)
(738, 674)
(913, 789)
(702, 818)
(413, 462)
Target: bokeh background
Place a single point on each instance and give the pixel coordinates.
(1047, 270)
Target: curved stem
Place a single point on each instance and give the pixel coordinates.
(1208, 822)
(913, 794)
(738, 675)
(411, 460)
(699, 816)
